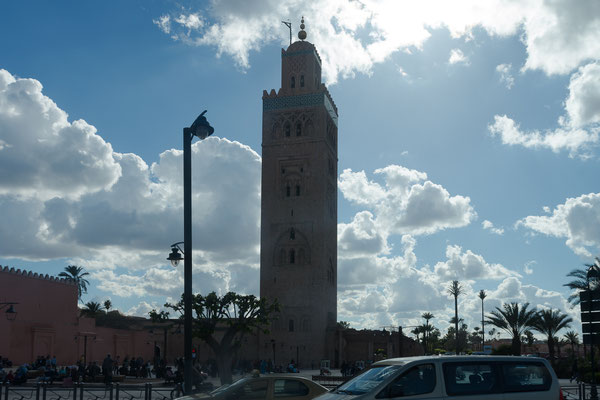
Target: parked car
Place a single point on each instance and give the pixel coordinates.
(265, 387)
(453, 377)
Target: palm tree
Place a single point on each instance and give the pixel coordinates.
(482, 295)
(91, 309)
(514, 320)
(549, 322)
(455, 290)
(107, 305)
(74, 273)
(416, 332)
(581, 281)
(573, 339)
(427, 316)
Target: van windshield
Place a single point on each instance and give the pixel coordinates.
(368, 380)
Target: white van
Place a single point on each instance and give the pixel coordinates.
(455, 378)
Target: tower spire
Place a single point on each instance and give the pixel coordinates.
(302, 33)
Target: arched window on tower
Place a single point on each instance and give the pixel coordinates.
(293, 82)
(287, 129)
(301, 80)
(297, 190)
(288, 191)
(292, 234)
(298, 129)
(291, 325)
(292, 256)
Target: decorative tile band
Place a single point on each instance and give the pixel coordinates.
(302, 100)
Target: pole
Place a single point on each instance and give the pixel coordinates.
(187, 244)
(84, 351)
(593, 390)
(482, 328)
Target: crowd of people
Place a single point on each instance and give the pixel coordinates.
(45, 369)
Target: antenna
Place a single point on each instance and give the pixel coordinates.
(289, 25)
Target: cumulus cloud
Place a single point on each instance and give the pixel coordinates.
(469, 266)
(583, 103)
(575, 141)
(73, 197)
(577, 220)
(352, 36)
(488, 225)
(506, 77)
(407, 203)
(42, 154)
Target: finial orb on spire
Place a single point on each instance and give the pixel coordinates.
(302, 33)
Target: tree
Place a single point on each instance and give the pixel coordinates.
(513, 319)
(549, 322)
(233, 315)
(91, 309)
(475, 338)
(529, 338)
(572, 338)
(107, 305)
(451, 336)
(74, 273)
(482, 295)
(455, 290)
(581, 283)
(416, 331)
(343, 325)
(427, 316)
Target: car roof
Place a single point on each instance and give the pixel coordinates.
(406, 360)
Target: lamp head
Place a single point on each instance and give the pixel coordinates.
(201, 128)
(175, 256)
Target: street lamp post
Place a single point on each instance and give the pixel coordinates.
(10, 313)
(593, 272)
(202, 129)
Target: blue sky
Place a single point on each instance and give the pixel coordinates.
(468, 146)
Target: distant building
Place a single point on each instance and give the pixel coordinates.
(298, 247)
(48, 323)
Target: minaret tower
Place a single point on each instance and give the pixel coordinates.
(298, 244)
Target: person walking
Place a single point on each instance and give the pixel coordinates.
(107, 369)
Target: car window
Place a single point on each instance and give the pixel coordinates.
(252, 390)
(368, 380)
(419, 379)
(289, 388)
(470, 378)
(526, 377)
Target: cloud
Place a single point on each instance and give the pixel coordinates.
(42, 154)
(457, 56)
(488, 225)
(353, 36)
(576, 141)
(577, 220)
(528, 267)
(408, 203)
(469, 266)
(504, 70)
(73, 197)
(583, 103)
